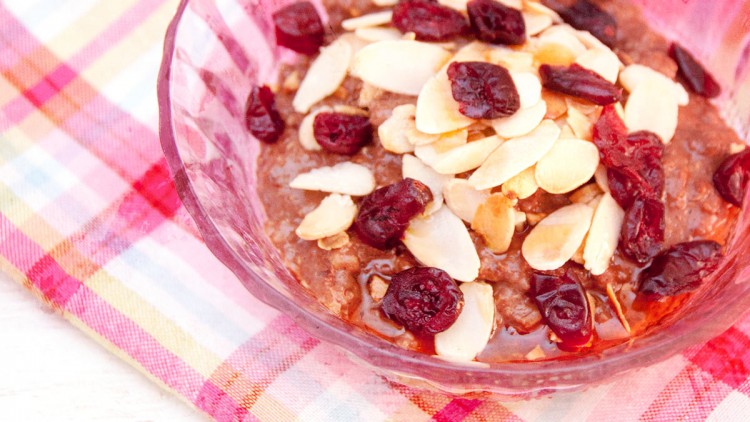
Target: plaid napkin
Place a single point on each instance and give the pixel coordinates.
(90, 223)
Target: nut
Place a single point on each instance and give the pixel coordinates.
(495, 220)
(469, 334)
(569, 164)
(346, 178)
(463, 199)
(325, 75)
(521, 122)
(603, 236)
(334, 215)
(555, 239)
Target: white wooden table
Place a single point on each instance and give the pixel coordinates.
(50, 371)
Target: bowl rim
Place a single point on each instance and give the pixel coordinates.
(415, 365)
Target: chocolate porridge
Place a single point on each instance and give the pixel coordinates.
(571, 235)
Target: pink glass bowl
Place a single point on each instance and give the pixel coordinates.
(215, 50)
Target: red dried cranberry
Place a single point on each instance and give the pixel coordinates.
(261, 117)
(732, 176)
(579, 82)
(610, 136)
(644, 145)
(626, 185)
(483, 90)
(342, 133)
(680, 269)
(298, 27)
(643, 229)
(385, 213)
(693, 74)
(428, 20)
(496, 23)
(584, 15)
(564, 307)
(425, 300)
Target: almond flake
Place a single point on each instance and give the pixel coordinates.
(334, 215)
(368, 20)
(377, 287)
(566, 132)
(515, 155)
(536, 353)
(345, 178)
(603, 235)
(587, 39)
(324, 76)
(529, 88)
(466, 157)
(569, 164)
(337, 241)
(463, 199)
(600, 176)
(459, 5)
(401, 66)
(347, 109)
(652, 106)
(520, 220)
(437, 111)
(378, 34)
(521, 122)
(517, 61)
(585, 194)
(534, 218)
(618, 307)
(441, 240)
(291, 82)
(368, 94)
(563, 37)
(495, 221)
(581, 124)
(603, 62)
(384, 3)
(392, 132)
(540, 9)
(414, 168)
(430, 153)
(556, 104)
(555, 239)
(469, 334)
(589, 109)
(522, 185)
(536, 23)
(306, 134)
(634, 74)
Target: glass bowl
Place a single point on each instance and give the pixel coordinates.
(215, 50)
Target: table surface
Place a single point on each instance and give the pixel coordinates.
(51, 371)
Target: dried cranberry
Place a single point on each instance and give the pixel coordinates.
(483, 90)
(610, 135)
(496, 23)
(342, 133)
(579, 82)
(261, 117)
(693, 74)
(732, 176)
(428, 20)
(679, 269)
(626, 185)
(643, 229)
(564, 306)
(584, 15)
(385, 213)
(425, 300)
(644, 145)
(298, 27)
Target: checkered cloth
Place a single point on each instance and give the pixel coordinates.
(90, 223)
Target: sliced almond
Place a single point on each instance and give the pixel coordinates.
(401, 66)
(369, 20)
(384, 3)
(569, 164)
(417, 138)
(536, 23)
(392, 132)
(555, 239)
(514, 4)
(603, 62)
(442, 240)
(556, 104)
(515, 155)
(600, 176)
(459, 5)
(585, 194)
(324, 76)
(346, 178)
(469, 334)
(337, 241)
(618, 307)
(533, 6)
(378, 34)
(347, 109)
(291, 82)
(603, 235)
(377, 287)
(566, 132)
(537, 353)
(306, 134)
(563, 37)
(517, 61)
(529, 88)
(581, 124)
(334, 215)
(632, 75)
(368, 94)
(466, 157)
(520, 220)
(521, 122)
(437, 111)
(430, 153)
(495, 221)
(463, 199)
(589, 109)
(522, 185)
(652, 106)
(414, 168)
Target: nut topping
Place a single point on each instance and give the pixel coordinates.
(334, 215)
(346, 178)
(471, 331)
(555, 239)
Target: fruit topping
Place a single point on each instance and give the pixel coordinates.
(428, 20)
(642, 232)
(298, 27)
(584, 15)
(261, 117)
(495, 23)
(693, 74)
(579, 82)
(424, 300)
(680, 269)
(385, 213)
(483, 90)
(342, 133)
(732, 176)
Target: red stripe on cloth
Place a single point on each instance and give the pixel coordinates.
(221, 406)
(726, 357)
(16, 247)
(157, 187)
(53, 282)
(456, 410)
(50, 85)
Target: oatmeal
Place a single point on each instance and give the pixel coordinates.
(499, 181)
